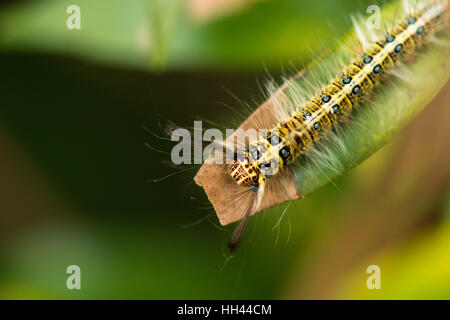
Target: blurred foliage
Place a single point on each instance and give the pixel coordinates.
(75, 167)
(153, 34)
(417, 269)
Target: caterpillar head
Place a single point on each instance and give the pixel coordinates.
(245, 174)
(259, 161)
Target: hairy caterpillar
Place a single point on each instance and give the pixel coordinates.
(297, 131)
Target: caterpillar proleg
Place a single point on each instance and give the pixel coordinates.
(302, 115)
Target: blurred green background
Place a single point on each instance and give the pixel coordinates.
(77, 175)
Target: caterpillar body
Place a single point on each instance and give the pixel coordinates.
(311, 121)
(295, 135)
